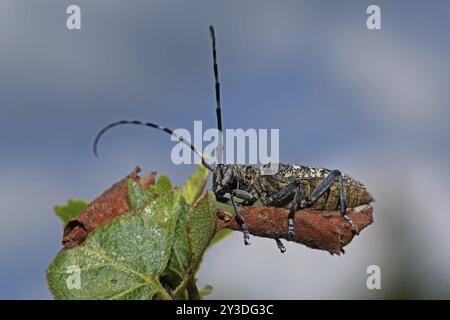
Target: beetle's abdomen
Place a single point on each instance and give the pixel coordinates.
(310, 177)
(355, 194)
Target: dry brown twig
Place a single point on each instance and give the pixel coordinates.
(315, 229)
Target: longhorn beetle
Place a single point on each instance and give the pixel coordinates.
(292, 187)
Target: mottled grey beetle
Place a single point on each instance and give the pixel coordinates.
(293, 186)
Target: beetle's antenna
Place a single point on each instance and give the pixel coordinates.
(151, 125)
(217, 89)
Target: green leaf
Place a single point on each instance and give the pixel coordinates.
(194, 186)
(193, 234)
(206, 290)
(70, 210)
(153, 252)
(139, 255)
(201, 223)
(138, 197)
(162, 185)
(258, 204)
(124, 258)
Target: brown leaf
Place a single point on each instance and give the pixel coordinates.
(112, 203)
(315, 229)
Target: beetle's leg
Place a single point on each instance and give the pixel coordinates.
(284, 193)
(280, 245)
(294, 187)
(240, 219)
(324, 186)
(294, 206)
(343, 205)
(249, 199)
